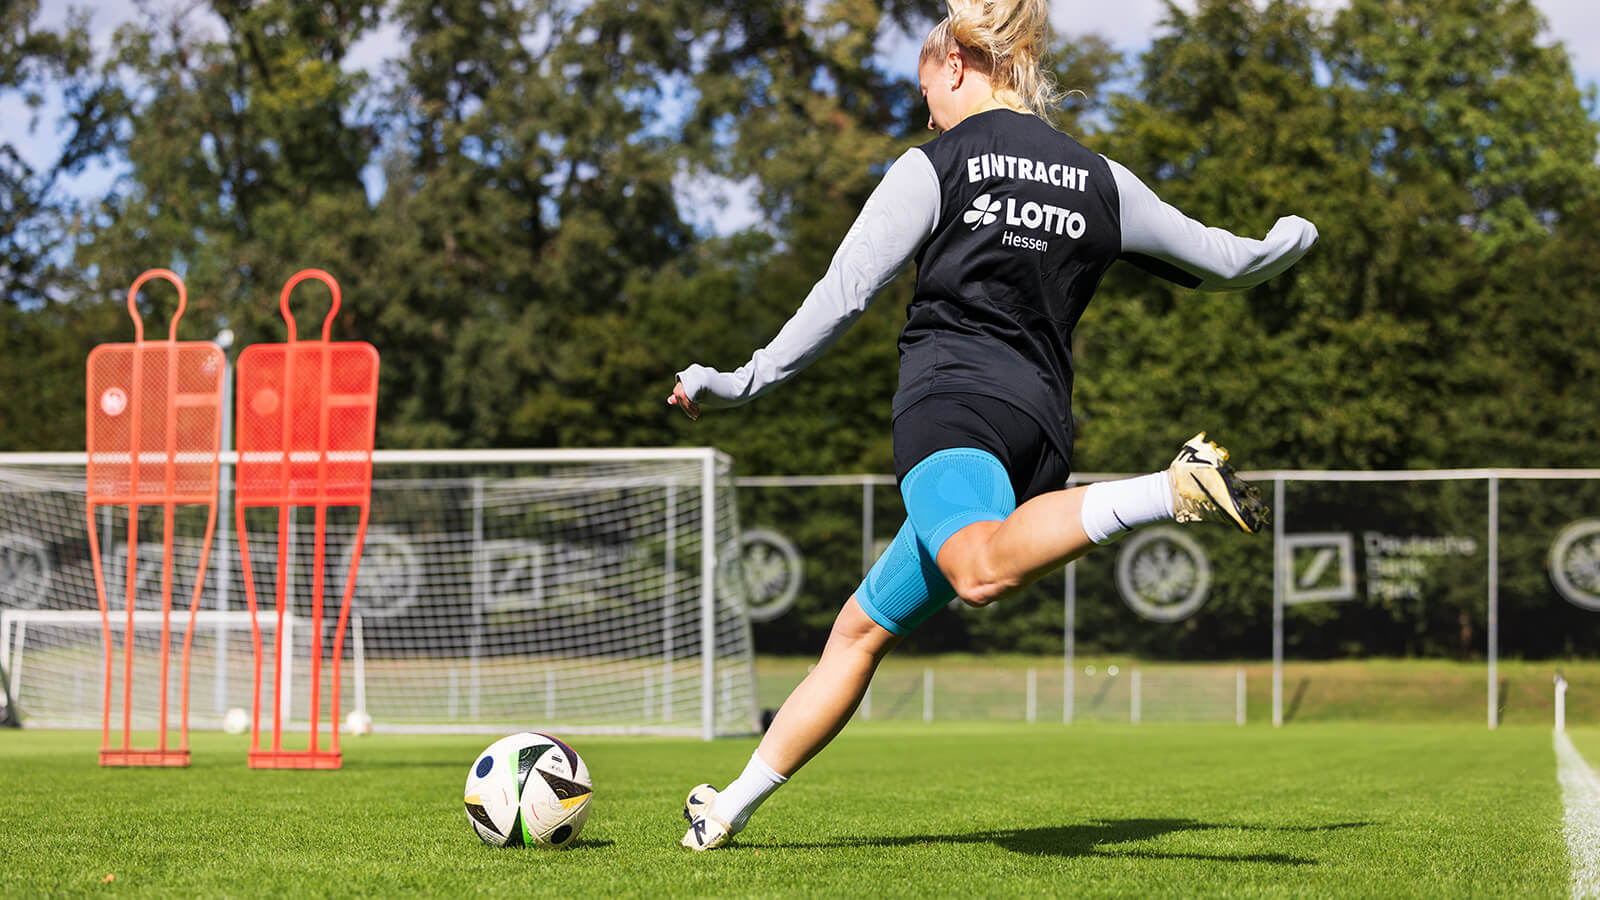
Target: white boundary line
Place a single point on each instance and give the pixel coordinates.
(1580, 792)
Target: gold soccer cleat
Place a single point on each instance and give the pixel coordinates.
(1206, 489)
(706, 832)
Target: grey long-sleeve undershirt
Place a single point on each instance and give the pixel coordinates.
(1219, 259)
(902, 213)
(898, 217)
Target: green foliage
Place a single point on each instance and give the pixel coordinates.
(1459, 99)
(44, 335)
(1375, 127)
(36, 221)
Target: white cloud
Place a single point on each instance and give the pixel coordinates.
(1130, 24)
(716, 205)
(1576, 23)
(376, 47)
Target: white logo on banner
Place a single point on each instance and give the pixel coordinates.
(1163, 575)
(1397, 567)
(513, 575)
(150, 564)
(1575, 563)
(520, 575)
(24, 570)
(1321, 567)
(386, 583)
(772, 573)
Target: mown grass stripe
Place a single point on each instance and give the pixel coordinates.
(888, 810)
(1580, 791)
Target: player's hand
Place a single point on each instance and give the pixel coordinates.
(681, 400)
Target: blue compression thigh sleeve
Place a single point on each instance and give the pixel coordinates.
(905, 586)
(952, 489)
(944, 493)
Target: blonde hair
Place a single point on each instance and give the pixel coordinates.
(1005, 40)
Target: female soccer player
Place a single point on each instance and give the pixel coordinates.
(1012, 224)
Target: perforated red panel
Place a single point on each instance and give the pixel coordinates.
(153, 436)
(154, 422)
(305, 421)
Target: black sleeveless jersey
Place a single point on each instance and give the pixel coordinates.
(1029, 221)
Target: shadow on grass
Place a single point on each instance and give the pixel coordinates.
(1099, 837)
(1294, 702)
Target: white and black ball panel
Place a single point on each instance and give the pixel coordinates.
(556, 790)
(492, 796)
(528, 789)
(563, 761)
(566, 831)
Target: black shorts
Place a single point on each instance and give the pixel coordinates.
(950, 421)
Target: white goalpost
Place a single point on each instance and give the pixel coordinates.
(571, 590)
(1561, 703)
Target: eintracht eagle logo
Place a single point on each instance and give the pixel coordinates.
(982, 212)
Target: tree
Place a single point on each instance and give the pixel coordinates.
(1433, 324)
(1460, 97)
(43, 337)
(245, 155)
(1358, 355)
(1459, 111)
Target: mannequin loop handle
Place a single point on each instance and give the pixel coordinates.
(133, 309)
(304, 275)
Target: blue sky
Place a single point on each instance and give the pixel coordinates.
(1127, 24)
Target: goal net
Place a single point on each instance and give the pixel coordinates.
(580, 591)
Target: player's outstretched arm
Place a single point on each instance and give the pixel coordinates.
(1156, 236)
(897, 218)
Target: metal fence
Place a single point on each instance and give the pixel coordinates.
(1466, 563)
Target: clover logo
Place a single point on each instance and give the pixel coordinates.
(982, 211)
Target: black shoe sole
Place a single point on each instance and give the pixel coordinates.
(1254, 513)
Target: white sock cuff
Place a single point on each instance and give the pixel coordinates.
(1097, 510)
(736, 802)
(1113, 507)
(762, 767)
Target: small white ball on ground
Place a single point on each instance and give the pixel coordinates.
(358, 723)
(236, 721)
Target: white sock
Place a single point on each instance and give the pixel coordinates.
(1113, 507)
(737, 801)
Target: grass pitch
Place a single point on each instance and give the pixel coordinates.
(902, 809)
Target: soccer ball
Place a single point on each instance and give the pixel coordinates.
(235, 721)
(528, 789)
(358, 723)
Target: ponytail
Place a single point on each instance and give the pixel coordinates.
(1004, 39)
